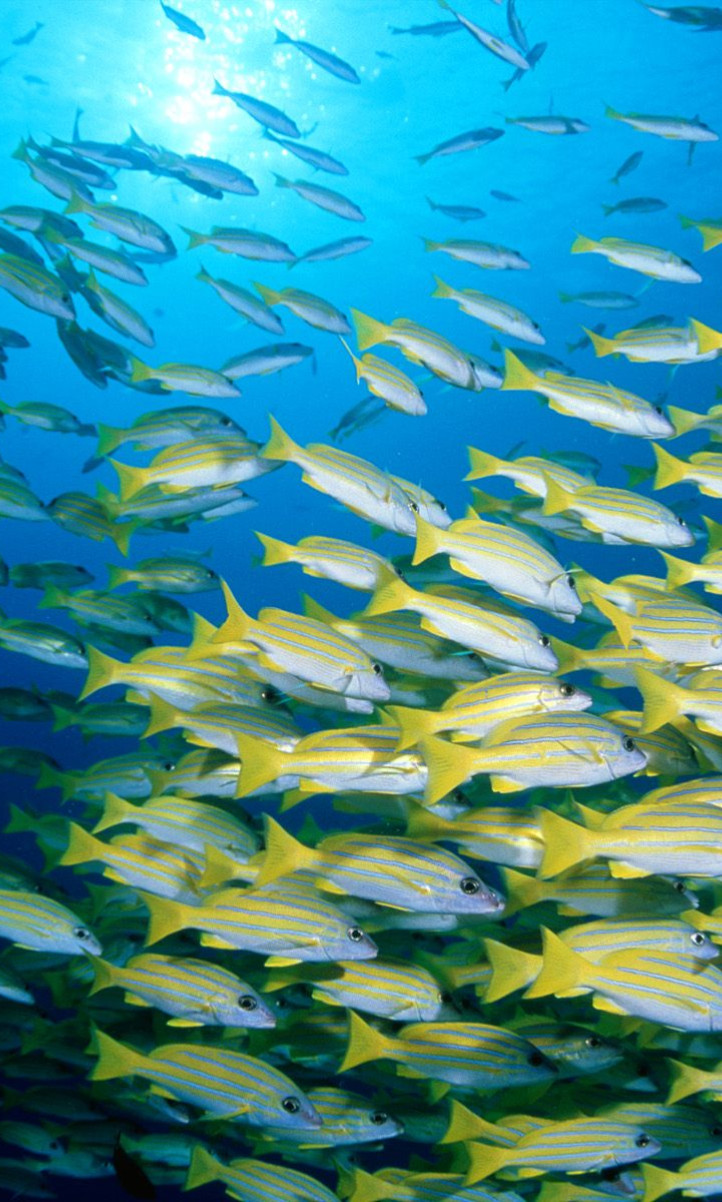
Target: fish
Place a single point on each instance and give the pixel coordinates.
(183, 22)
(333, 250)
(481, 254)
(601, 300)
(551, 124)
(261, 111)
(25, 38)
(636, 204)
(387, 382)
(493, 312)
(322, 58)
(474, 139)
(324, 198)
(31, 920)
(244, 302)
(244, 1178)
(35, 287)
(457, 212)
(661, 344)
(246, 243)
(710, 230)
(575, 1145)
(503, 50)
(652, 261)
(312, 309)
(676, 128)
(265, 361)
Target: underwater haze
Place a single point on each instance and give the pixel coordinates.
(360, 566)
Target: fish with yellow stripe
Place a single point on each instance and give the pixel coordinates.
(574, 1146)
(420, 345)
(653, 261)
(693, 343)
(200, 463)
(390, 989)
(329, 558)
(387, 382)
(619, 516)
(247, 1180)
(704, 469)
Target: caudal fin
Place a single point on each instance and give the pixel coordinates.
(369, 331)
(565, 844)
(283, 854)
(517, 376)
(512, 969)
(670, 470)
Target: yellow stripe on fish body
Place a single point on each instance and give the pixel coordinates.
(347, 1118)
(43, 924)
(474, 1055)
(553, 750)
(288, 919)
(620, 516)
(601, 405)
(248, 1180)
(671, 629)
(529, 472)
(693, 343)
(182, 822)
(577, 1145)
(390, 989)
(593, 890)
(508, 560)
(307, 648)
(615, 663)
(220, 1082)
(496, 833)
(671, 838)
(708, 571)
(652, 261)
(472, 712)
(138, 861)
(169, 673)
(697, 1178)
(330, 558)
(194, 992)
(704, 469)
(652, 985)
(202, 462)
(356, 483)
(669, 752)
(359, 758)
(505, 637)
(205, 772)
(418, 344)
(217, 724)
(388, 383)
(394, 871)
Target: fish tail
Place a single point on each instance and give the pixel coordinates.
(465, 1124)
(115, 810)
(162, 716)
(614, 114)
(281, 182)
(166, 916)
(279, 445)
(565, 844)
(283, 854)
(512, 969)
(414, 724)
(707, 338)
(194, 238)
(711, 236)
(714, 533)
(482, 464)
(557, 498)
(429, 540)
(582, 245)
(663, 701)
(571, 658)
(51, 778)
(117, 576)
(683, 420)
(114, 1059)
(52, 598)
(20, 822)
(441, 289)
(670, 470)
(608, 209)
(367, 1188)
(602, 346)
(283, 38)
(521, 891)
(109, 437)
(218, 89)
(235, 628)
(620, 620)
(679, 571)
(121, 534)
(202, 1169)
(274, 551)
(364, 1043)
(76, 204)
(561, 968)
(517, 376)
(203, 637)
(102, 671)
(262, 763)
(390, 595)
(82, 846)
(105, 975)
(369, 331)
(20, 151)
(566, 297)
(484, 1161)
(660, 1181)
(685, 1081)
(313, 609)
(420, 158)
(448, 765)
(270, 296)
(130, 479)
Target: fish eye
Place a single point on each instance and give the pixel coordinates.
(269, 694)
(629, 744)
(168, 766)
(571, 582)
(567, 690)
(593, 1042)
(226, 421)
(378, 670)
(716, 1131)
(446, 998)
(544, 640)
(378, 1118)
(686, 262)
(459, 796)
(470, 885)
(413, 507)
(642, 1141)
(291, 1105)
(355, 934)
(535, 1059)
(81, 933)
(681, 522)
(658, 409)
(400, 575)
(211, 574)
(441, 505)
(246, 1002)
(698, 939)
(679, 886)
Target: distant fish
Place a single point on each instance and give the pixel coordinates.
(490, 41)
(711, 231)
(262, 112)
(678, 129)
(182, 22)
(437, 29)
(600, 300)
(551, 124)
(636, 204)
(28, 37)
(457, 212)
(699, 16)
(502, 195)
(481, 254)
(653, 261)
(532, 58)
(333, 250)
(318, 159)
(266, 360)
(472, 140)
(325, 198)
(628, 166)
(322, 58)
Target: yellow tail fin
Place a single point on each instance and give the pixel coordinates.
(714, 533)
(414, 724)
(562, 969)
(162, 716)
(166, 917)
(274, 550)
(482, 464)
(130, 479)
(269, 295)
(279, 445)
(663, 700)
(423, 823)
(82, 846)
(448, 764)
(429, 541)
(557, 499)
(261, 764)
(613, 113)
(582, 245)
(115, 811)
(114, 1059)
(711, 236)
(102, 671)
(283, 854)
(565, 844)
(517, 376)
(369, 331)
(106, 975)
(684, 420)
(464, 1124)
(512, 969)
(202, 1169)
(679, 571)
(391, 594)
(441, 290)
(484, 1161)
(660, 1181)
(620, 620)
(687, 1081)
(602, 346)
(118, 576)
(521, 891)
(109, 437)
(236, 627)
(707, 338)
(364, 1043)
(670, 470)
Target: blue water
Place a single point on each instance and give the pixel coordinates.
(123, 63)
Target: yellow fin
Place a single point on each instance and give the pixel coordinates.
(429, 540)
(517, 376)
(707, 338)
(413, 724)
(274, 551)
(602, 346)
(364, 1043)
(115, 811)
(687, 1080)
(660, 1181)
(369, 331)
(261, 764)
(448, 765)
(582, 245)
(562, 968)
(102, 671)
(203, 1168)
(283, 854)
(511, 969)
(663, 701)
(565, 844)
(484, 1161)
(482, 464)
(670, 470)
(279, 445)
(114, 1059)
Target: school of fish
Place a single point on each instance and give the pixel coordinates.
(419, 987)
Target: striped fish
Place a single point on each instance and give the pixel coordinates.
(554, 750)
(687, 1080)
(620, 516)
(127, 775)
(529, 472)
(708, 572)
(669, 752)
(356, 483)
(506, 559)
(205, 772)
(286, 920)
(168, 672)
(194, 992)
(217, 723)
(312, 309)
(601, 405)
(593, 890)
(126, 224)
(347, 1119)
(165, 427)
(669, 628)
(390, 989)
(656, 986)
(473, 1055)
(673, 837)
(388, 383)
(652, 261)
(681, 1130)
(329, 558)
(324, 198)
(574, 1146)
(406, 1185)
(249, 1180)
(493, 312)
(614, 663)
(209, 461)
(390, 870)
(43, 924)
(41, 641)
(115, 263)
(679, 129)
(423, 503)
(36, 287)
(693, 343)
(307, 648)
(356, 759)
(503, 636)
(704, 469)
(101, 609)
(665, 701)
(182, 822)
(686, 420)
(488, 255)
(697, 1178)
(138, 861)
(17, 500)
(88, 517)
(248, 244)
(471, 713)
(418, 344)
(222, 1083)
(115, 312)
(497, 833)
